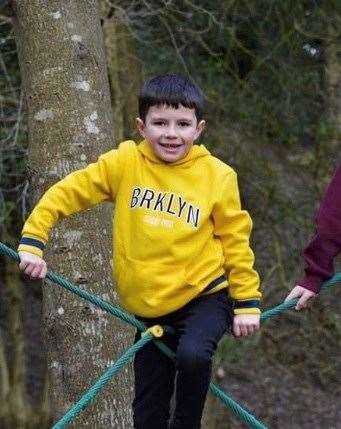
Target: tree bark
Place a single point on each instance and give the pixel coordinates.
(67, 100)
(124, 68)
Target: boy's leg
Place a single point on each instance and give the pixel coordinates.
(203, 323)
(154, 385)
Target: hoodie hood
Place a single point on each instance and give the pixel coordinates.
(196, 151)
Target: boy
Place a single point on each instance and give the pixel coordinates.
(179, 230)
(322, 249)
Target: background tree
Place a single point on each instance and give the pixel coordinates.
(15, 410)
(124, 71)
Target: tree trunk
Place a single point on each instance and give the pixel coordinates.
(124, 72)
(67, 99)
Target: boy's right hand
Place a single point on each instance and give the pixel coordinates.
(32, 265)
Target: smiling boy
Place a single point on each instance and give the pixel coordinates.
(181, 250)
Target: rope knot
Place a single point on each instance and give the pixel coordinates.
(156, 330)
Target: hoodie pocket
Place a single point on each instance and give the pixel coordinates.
(153, 283)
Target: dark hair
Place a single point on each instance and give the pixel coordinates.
(172, 90)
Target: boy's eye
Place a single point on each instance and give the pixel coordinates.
(184, 124)
(159, 123)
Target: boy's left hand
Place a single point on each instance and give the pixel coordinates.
(245, 324)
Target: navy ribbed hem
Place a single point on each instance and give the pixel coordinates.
(214, 283)
(32, 242)
(252, 303)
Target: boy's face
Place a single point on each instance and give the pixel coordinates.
(170, 132)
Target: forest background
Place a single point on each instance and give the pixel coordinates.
(271, 73)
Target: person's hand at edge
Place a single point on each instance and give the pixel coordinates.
(305, 297)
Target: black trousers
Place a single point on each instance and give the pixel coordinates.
(199, 326)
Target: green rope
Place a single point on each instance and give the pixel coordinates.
(244, 415)
(116, 311)
(239, 411)
(102, 382)
(98, 302)
(275, 311)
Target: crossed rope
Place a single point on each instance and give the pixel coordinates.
(150, 334)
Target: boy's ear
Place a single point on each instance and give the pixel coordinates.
(140, 126)
(200, 128)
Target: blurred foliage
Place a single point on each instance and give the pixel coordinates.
(17, 410)
(261, 63)
(12, 133)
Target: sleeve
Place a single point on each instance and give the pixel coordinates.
(326, 244)
(233, 226)
(78, 191)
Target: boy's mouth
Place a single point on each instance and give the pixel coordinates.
(170, 145)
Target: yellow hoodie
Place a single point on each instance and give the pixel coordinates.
(178, 227)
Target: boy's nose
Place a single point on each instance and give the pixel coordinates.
(170, 133)
(170, 136)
